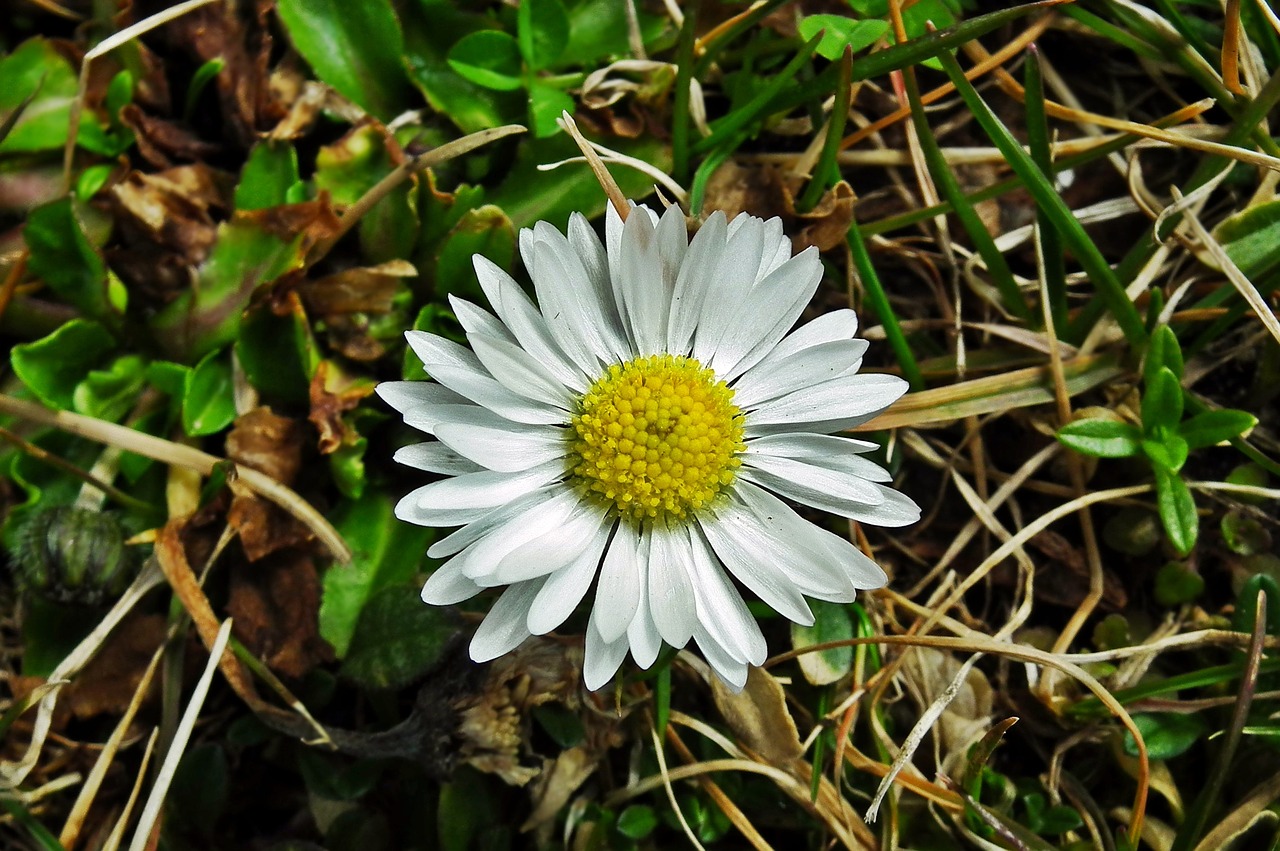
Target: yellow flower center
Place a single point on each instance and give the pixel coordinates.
(656, 437)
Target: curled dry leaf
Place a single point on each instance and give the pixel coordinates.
(334, 392)
(761, 190)
(161, 141)
(362, 290)
(275, 603)
(272, 445)
(759, 718)
(927, 673)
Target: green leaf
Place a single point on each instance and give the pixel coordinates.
(542, 28)
(64, 258)
(546, 103)
(485, 231)
(488, 58)
(199, 792)
(1215, 426)
(637, 821)
(1164, 350)
(432, 28)
(354, 47)
(208, 400)
(1177, 510)
(268, 177)
(1244, 535)
(1101, 438)
(1168, 451)
(397, 639)
(278, 353)
(110, 393)
(1162, 401)
(1167, 734)
(1177, 583)
(840, 32)
(207, 317)
(353, 165)
(831, 623)
(37, 70)
(386, 552)
(336, 778)
(49, 632)
(52, 367)
(1251, 239)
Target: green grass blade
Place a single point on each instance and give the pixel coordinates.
(680, 100)
(879, 301)
(1055, 266)
(827, 171)
(947, 184)
(1047, 197)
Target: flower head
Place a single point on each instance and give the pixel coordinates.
(635, 429)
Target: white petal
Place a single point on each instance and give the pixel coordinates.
(477, 320)
(722, 612)
(789, 477)
(777, 247)
(596, 265)
(468, 497)
(732, 671)
(827, 328)
(728, 284)
(566, 587)
(613, 236)
(489, 392)
(483, 558)
(524, 321)
(755, 569)
(435, 457)
(672, 603)
(506, 448)
(805, 368)
(406, 396)
(602, 658)
(491, 523)
(553, 550)
(821, 448)
(852, 398)
(642, 301)
(448, 585)
(643, 635)
(428, 417)
(504, 627)
(776, 303)
(619, 588)
(570, 302)
(519, 372)
(672, 237)
(704, 253)
(433, 349)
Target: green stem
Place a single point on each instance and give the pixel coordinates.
(827, 171)
(879, 301)
(680, 101)
(1051, 249)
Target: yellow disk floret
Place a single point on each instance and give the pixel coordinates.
(656, 437)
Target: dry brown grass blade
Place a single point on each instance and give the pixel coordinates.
(1231, 47)
(70, 835)
(1021, 388)
(122, 823)
(607, 183)
(1021, 653)
(1234, 823)
(176, 454)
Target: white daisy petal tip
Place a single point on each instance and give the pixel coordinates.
(633, 441)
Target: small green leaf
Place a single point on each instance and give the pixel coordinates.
(1101, 438)
(277, 353)
(839, 32)
(1162, 401)
(109, 393)
(354, 47)
(52, 367)
(546, 103)
(485, 231)
(63, 257)
(268, 176)
(1251, 239)
(488, 58)
(1177, 510)
(637, 821)
(1168, 452)
(397, 639)
(208, 400)
(1132, 531)
(542, 28)
(38, 71)
(1249, 475)
(1176, 583)
(198, 795)
(1167, 734)
(831, 623)
(1212, 427)
(562, 725)
(1163, 351)
(1244, 535)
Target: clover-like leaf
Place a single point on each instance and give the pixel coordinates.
(488, 58)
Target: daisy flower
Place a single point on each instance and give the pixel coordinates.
(635, 429)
